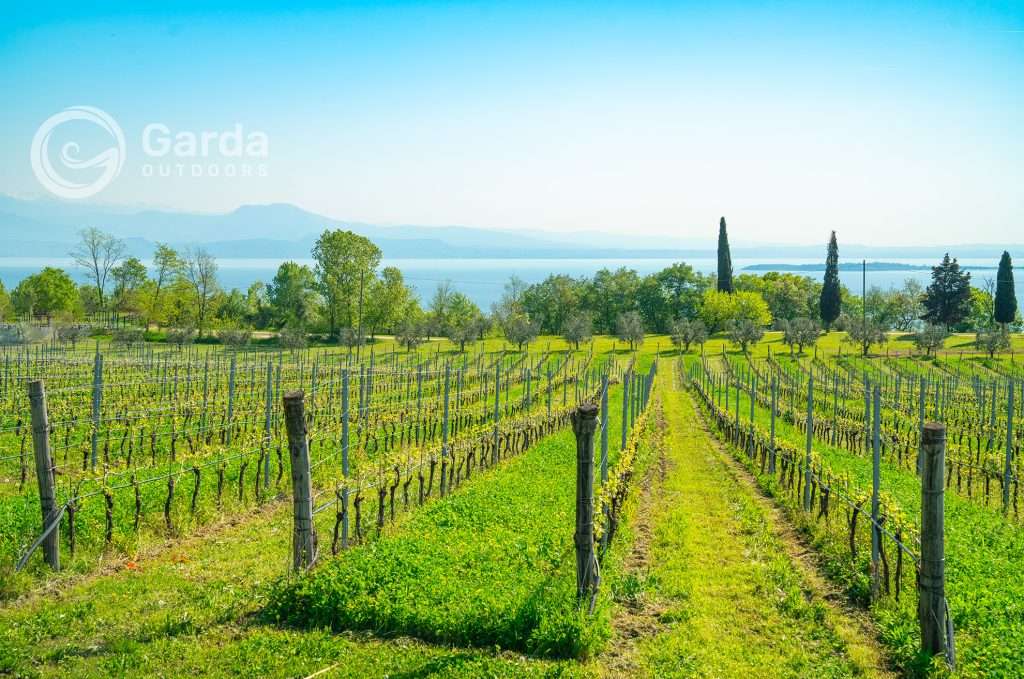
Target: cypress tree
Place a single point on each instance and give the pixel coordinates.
(1006, 296)
(724, 259)
(830, 302)
(947, 300)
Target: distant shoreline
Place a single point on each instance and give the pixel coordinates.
(871, 266)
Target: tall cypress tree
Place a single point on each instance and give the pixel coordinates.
(947, 300)
(1006, 296)
(724, 259)
(830, 302)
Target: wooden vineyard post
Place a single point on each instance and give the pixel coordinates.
(44, 471)
(549, 392)
(625, 409)
(931, 606)
(444, 428)
(771, 440)
(231, 398)
(304, 548)
(810, 440)
(267, 409)
(1008, 469)
(876, 480)
(604, 453)
(97, 401)
(497, 411)
(584, 422)
(344, 457)
(920, 427)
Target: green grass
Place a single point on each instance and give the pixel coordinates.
(491, 566)
(731, 602)
(983, 556)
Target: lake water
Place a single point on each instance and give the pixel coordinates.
(483, 280)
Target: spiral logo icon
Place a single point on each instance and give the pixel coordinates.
(109, 160)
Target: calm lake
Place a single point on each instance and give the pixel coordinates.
(484, 279)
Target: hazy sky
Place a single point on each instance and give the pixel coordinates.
(891, 123)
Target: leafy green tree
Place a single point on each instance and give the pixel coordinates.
(744, 332)
(200, 272)
(686, 332)
(388, 298)
(552, 301)
(98, 253)
(231, 308)
(462, 319)
(930, 338)
(129, 277)
(520, 330)
(257, 303)
(440, 308)
(629, 327)
(787, 295)
(947, 298)
(167, 267)
(1006, 296)
(724, 259)
(864, 332)
(345, 265)
(411, 330)
(800, 332)
(292, 295)
(830, 305)
(47, 293)
(578, 328)
(905, 305)
(720, 308)
(5, 303)
(610, 294)
(992, 339)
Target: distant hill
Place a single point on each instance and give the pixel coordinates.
(48, 228)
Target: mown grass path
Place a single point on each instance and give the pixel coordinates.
(719, 582)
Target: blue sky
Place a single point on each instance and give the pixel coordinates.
(892, 123)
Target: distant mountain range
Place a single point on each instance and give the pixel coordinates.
(49, 228)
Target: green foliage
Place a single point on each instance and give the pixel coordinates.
(744, 332)
(578, 328)
(800, 332)
(992, 339)
(6, 308)
(787, 295)
(720, 308)
(520, 330)
(46, 293)
(292, 295)
(930, 338)
(345, 265)
(947, 298)
(1006, 295)
(724, 259)
(629, 327)
(829, 305)
(486, 567)
(686, 332)
(864, 332)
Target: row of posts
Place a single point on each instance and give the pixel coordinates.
(933, 615)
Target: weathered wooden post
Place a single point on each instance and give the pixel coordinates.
(771, 440)
(920, 426)
(231, 398)
(876, 482)
(304, 542)
(344, 456)
(1008, 469)
(44, 471)
(444, 429)
(97, 400)
(931, 607)
(268, 408)
(497, 411)
(625, 409)
(810, 440)
(584, 422)
(604, 452)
